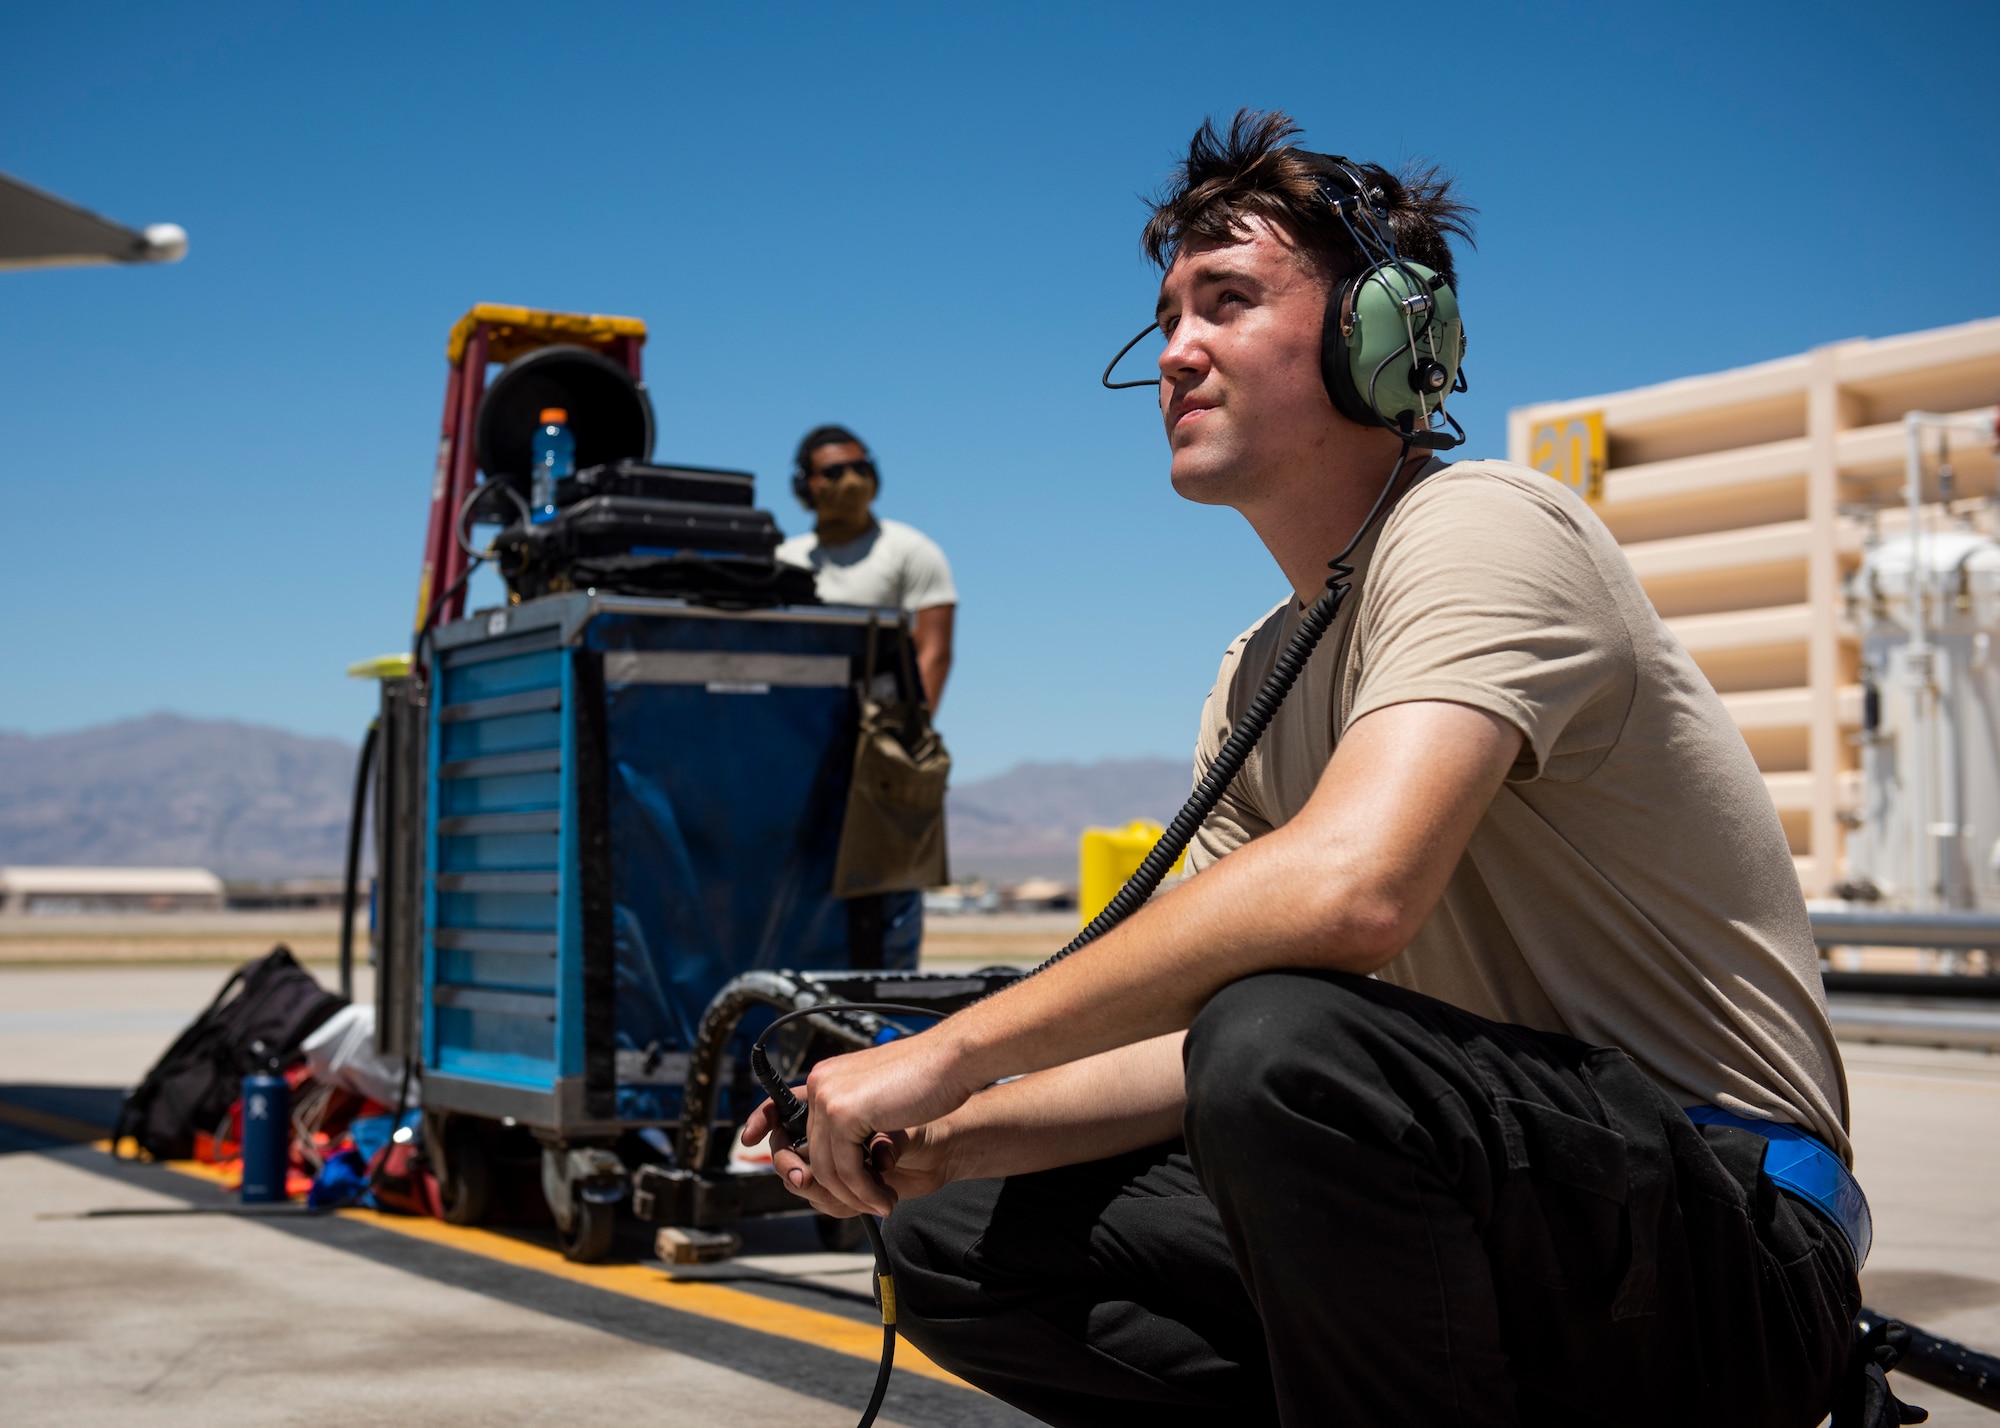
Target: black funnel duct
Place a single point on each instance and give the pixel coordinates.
(610, 415)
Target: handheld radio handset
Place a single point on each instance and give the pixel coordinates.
(791, 1110)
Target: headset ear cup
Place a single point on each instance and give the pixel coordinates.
(1336, 355)
(1374, 374)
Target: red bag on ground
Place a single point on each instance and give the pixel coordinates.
(403, 1182)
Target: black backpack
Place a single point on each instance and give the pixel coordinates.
(256, 1022)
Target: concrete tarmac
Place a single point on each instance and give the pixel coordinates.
(105, 1025)
(211, 1322)
(1926, 1130)
(205, 1320)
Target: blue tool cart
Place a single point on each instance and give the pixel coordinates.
(629, 803)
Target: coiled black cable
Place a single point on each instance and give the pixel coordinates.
(1145, 881)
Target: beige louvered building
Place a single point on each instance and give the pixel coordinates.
(1743, 498)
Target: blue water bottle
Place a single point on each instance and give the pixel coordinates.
(267, 1138)
(555, 458)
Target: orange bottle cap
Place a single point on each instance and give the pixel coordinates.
(555, 414)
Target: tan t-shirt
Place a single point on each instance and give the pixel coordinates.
(1630, 884)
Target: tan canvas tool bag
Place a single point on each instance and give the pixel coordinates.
(893, 837)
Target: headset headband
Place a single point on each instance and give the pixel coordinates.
(1392, 346)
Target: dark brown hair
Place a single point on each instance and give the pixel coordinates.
(1253, 172)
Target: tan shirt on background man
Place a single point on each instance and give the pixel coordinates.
(1611, 892)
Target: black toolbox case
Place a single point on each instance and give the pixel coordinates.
(706, 485)
(705, 550)
(638, 525)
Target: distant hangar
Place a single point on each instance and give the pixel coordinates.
(25, 890)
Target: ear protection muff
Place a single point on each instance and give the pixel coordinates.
(1393, 351)
(1393, 348)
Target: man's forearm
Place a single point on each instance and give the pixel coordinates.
(1103, 1105)
(1148, 977)
(1343, 886)
(933, 668)
(932, 639)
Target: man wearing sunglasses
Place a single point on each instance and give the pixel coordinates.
(861, 559)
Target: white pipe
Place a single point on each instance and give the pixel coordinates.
(1913, 1024)
(1917, 772)
(1839, 926)
(1923, 771)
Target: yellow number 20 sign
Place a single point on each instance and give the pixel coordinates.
(1571, 449)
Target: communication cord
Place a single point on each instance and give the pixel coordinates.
(1145, 881)
(792, 1116)
(793, 1113)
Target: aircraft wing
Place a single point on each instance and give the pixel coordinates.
(39, 230)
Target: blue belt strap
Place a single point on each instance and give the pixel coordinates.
(1806, 1167)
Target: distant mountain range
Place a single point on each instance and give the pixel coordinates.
(255, 803)
(1026, 822)
(243, 801)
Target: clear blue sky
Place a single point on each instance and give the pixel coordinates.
(917, 220)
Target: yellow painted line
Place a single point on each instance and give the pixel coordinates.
(711, 1301)
(852, 1337)
(199, 1169)
(202, 1170)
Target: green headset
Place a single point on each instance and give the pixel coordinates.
(1393, 347)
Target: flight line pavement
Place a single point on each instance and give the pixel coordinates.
(216, 1321)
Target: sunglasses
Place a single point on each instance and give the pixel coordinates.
(840, 469)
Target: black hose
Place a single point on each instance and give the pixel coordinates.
(418, 650)
(1942, 1363)
(353, 877)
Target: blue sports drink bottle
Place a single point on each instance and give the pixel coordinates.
(555, 458)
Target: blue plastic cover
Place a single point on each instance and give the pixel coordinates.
(725, 803)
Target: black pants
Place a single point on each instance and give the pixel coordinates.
(1390, 1211)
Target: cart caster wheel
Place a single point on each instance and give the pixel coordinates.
(467, 1188)
(592, 1224)
(840, 1236)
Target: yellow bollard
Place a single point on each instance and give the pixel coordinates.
(1106, 857)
